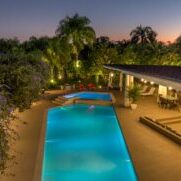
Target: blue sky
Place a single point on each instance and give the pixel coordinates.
(114, 18)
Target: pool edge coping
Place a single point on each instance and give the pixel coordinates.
(37, 174)
(113, 99)
(128, 150)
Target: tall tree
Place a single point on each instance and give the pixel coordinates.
(35, 44)
(177, 45)
(57, 55)
(77, 31)
(143, 35)
(102, 53)
(9, 46)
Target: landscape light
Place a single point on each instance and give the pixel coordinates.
(142, 80)
(77, 64)
(151, 82)
(60, 77)
(100, 87)
(52, 81)
(145, 81)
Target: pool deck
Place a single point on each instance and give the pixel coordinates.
(155, 157)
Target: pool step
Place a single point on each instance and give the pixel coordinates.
(64, 101)
(94, 102)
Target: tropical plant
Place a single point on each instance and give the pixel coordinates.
(57, 55)
(101, 53)
(129, 55)
(35, 44)
(9, 45)
(143, 35)
(134, 93)
(176, 46)
(78, 33)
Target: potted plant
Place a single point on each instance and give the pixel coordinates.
(134, 93)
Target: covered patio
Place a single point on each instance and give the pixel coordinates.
(165, 79)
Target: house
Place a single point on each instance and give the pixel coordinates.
(166, 77)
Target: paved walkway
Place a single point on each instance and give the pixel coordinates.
(27, 146)
(155, 157)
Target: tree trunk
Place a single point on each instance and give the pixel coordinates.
(75, 61)
(65, 74)
(51, 73)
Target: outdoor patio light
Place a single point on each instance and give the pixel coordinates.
(151, 82)
(112, 75)
(170, 88)
(145, 81)
(142, 80)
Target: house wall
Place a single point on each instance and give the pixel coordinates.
(162, 90)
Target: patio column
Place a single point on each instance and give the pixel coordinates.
(110, 79)
(121, 81)
(125, 91)
(131, 80)
(128, 81)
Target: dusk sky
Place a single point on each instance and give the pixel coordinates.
(114, 18)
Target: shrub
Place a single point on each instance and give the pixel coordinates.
(134, 93)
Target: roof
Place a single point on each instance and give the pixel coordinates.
(166, 73)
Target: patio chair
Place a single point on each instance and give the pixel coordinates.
(91, 86)
(149, 93)
(162, 102)
(174, 105)
(144, 89)
(82, 87)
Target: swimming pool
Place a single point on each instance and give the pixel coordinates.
(90, 95)
(85, 143)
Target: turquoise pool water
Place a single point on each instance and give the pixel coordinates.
(85, 143)
(90, 95)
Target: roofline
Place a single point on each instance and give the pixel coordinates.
(158, 80)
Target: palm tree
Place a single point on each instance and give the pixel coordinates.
(77, 32)
(143, 35)
(57, 55)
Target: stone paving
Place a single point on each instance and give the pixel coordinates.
(155, 157)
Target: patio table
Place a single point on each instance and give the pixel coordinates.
(169, 101)
(169, 98)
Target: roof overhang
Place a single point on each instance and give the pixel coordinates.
(157, 80)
